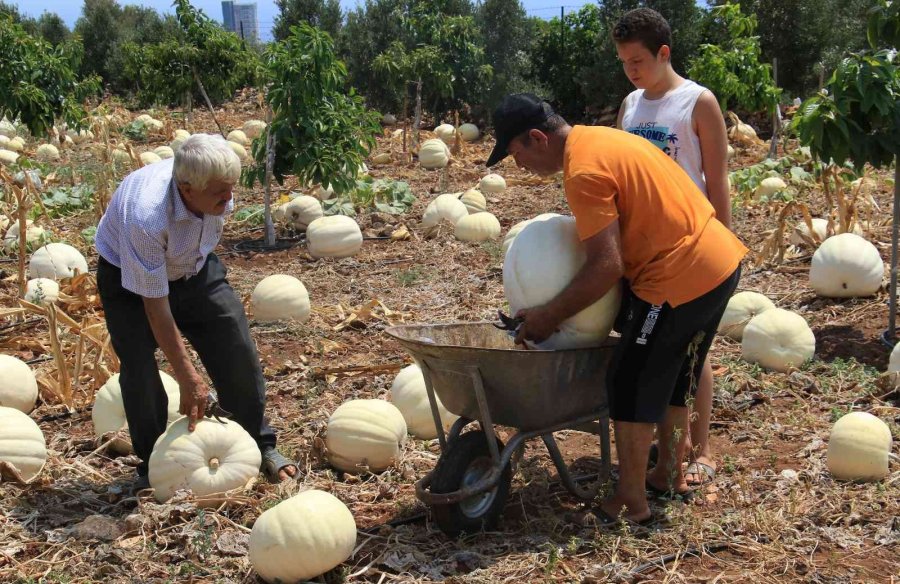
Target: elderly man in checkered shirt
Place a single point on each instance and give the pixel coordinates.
(159, 279)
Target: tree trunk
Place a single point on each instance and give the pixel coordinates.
(270, 162)
(208, 103)
(417, 121)
(895, 234)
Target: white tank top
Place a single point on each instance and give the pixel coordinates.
(667, 122)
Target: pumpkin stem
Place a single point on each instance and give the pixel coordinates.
(214, 463)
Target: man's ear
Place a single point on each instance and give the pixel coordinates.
(665, 52)
(186, 189)
(538, 136)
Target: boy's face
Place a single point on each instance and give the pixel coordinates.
(643, 68)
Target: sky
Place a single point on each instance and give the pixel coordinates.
(70, 10)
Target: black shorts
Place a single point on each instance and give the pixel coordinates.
(660, 356)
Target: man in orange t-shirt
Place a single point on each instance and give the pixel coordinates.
(641, 218)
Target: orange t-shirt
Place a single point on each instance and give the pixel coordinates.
(673, 247)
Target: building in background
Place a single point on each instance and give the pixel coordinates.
(240, 17)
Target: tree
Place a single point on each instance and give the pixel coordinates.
(322, 14)
(52, 28)
(40, 79)
(505, 31)
(99, 29)
(733, 69)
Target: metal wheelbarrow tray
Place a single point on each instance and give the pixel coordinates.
(480, 375)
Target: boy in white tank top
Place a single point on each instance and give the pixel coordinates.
(684, 120)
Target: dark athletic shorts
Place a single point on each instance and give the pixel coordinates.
(660, 356)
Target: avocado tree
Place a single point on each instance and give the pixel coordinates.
(858, 117)
(320, 132)
(39, 79)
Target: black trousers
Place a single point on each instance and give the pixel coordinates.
(210, 315)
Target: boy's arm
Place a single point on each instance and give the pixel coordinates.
(621, 114)
(710, 127)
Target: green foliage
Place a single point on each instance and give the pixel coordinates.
(322, 131)
(89, 234)
(443, 51)
(322, 14)
(733, 70)
(166, 71)
(859, 117)
(384, 195)
(39, 80)
(251, 215)
(884, 24)
(63, 201)
(136, 130)
(505, 31)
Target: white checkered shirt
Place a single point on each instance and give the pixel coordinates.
(151, 236)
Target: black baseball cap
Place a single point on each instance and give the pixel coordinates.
(517, 113)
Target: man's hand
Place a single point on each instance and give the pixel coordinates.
(539, 323)
(193, 401)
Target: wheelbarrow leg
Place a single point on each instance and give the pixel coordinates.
(432, 401)
(565, 476)
(486, 423)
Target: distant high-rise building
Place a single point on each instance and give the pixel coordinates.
(228, 14)
(240, 17)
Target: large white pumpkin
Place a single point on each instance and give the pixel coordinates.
(18, 387)
(34, 234)
(22, 443)
(820, 230)
(8, 156)
(474, 201)
(278, 297)
(434, 154)
(238, 137)
(518, 227)
(148, 158)
(408, 393)
(7, 128)
(302, 537)
(253, 128)
(859, 448)
(303, 210)
(544, 259)
(741, 309)
(214, 458)
(844, 266)
(492, 183)
(778, 339)
(446, 207)
(477, 227)
(57, 261)
(47, 153)
(469, 132)
(365, 434)
(337, 236)
(42, 291)
(894, 364)
(446, 132)
(17, 144)
(164, 152)
(768, 187)
(108, 414)
(239, 150)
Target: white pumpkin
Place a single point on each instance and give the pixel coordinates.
(16, 144)
(278, 297)
(57, 261)
(382, 158)
(108, 414)
(434, 154)
(182, 134)
(845, 266)
(238, 137)
(8, 157)
(239, 150)
(408, 393)
(143, 118)
(336, 236)
(164, 152)
(894, 363)
(214, 458)
(47, 153)
(741, 309)
(18, 387)
(7, 128)
(518, 227)
(446, 132)
(278, 212)
(154, 125)
(543, 260)
(388, 120)
(768, 187)
(34, 234)
(120, 156)
(253, 128)
(474, 201)
(469, 132)
(42, 291)
(492, 183)
(820, 230)
(149, 158)
(303, 210)
(179, 139)
(22, 443)
(365, 434)
(324, 193)
(302, 537)
(446, 207)
(477, 227)
(778, 339)
(81, 136)
(730, 152)
(3, 141)
(859, 448)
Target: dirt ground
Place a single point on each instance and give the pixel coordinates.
(773, 514)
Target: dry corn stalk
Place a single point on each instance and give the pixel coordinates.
(774, 246)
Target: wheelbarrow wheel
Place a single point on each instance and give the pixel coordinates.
(463, 463)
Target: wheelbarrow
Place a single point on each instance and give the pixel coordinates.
(480, 375)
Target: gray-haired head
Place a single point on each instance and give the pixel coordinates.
(206, 157)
